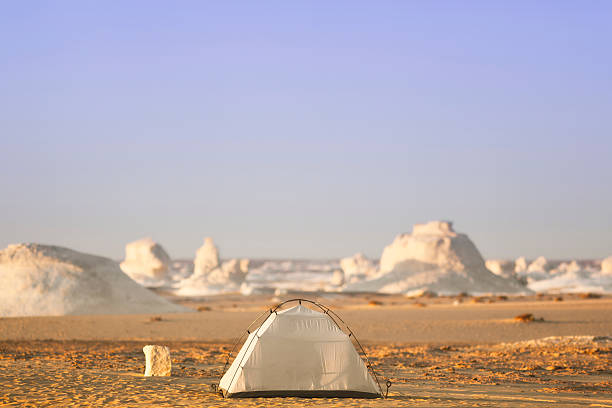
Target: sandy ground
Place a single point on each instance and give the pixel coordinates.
(434, 352)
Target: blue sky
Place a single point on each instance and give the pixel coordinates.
(306, 129)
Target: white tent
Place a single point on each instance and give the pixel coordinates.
(298, 352)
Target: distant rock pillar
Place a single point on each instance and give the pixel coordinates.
(158, 361)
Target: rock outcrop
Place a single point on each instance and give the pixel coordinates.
(337, 278)
(537, 270)
(571, 278)
(146, 258)
(606, 266)
(207, 257)
(41, 280)
(210, 276)
(500, 267)
(520, 265)
(539, 265)
(231, 272)
(434, 258)
(357, 267)
(565, 267)
(434, 243)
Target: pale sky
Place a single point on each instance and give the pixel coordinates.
(306, 129)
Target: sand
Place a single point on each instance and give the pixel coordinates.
(435, 355)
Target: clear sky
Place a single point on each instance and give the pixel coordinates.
(310, 129)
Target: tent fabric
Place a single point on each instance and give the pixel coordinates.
(298, 352)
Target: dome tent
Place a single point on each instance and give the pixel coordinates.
(299, 352)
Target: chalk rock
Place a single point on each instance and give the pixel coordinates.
(435, 258)
(434, 243)
(246, 289)
(520, 265)
(568, 277)
(501, 267)
(420, 293)
(181, 269)
(537, 270)
(280, 292)
(337, 278)
(573, 279)
(44, 280)
(231, 272)
(146, 258)
(158, 361)
(207, 257)
(357, 267)
(539, 265)
(212, 277)
(565, 267)
(244, 265)
(444, 228)
(606, 266)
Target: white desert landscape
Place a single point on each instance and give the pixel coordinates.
(305, 204)
(436, 320)
(433, 258)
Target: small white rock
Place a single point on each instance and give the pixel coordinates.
(146, 258)
(158, 361)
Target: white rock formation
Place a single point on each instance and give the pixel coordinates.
(181, 269)
(246, 289)
(520, 265)
(420, 293)
(572, 280)
(244, 266)
(565, 267)
(210, 276)
(280, 292)
(500, 267)
(337, 278)
(357, 267)
(435, 258)
(433, 243)
(207, 257)
(158, 361)
(146, 258)
(539, 265)
(537, 270)
(42, 280)
(231, 272)
(606, 266)
(566, 277)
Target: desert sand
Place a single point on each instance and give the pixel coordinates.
(436, 352)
